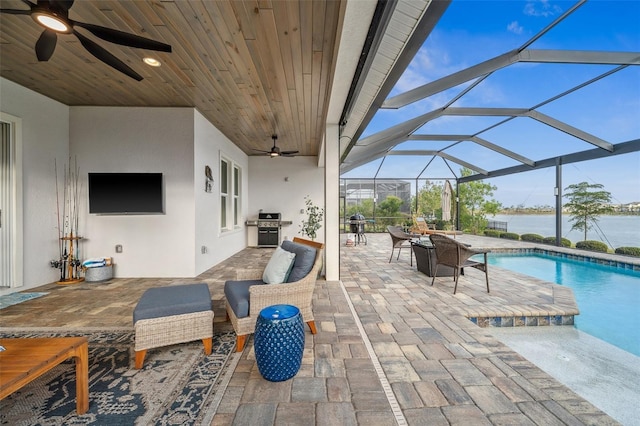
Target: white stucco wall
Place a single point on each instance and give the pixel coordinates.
(209, 144)
(45, 139)
(178, 142)
(270, 191)
(110, 139)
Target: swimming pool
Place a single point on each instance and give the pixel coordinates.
(608, 297)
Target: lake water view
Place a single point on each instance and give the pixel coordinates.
(615, 231)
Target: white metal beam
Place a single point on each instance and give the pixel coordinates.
(579, 57)
(506, 59)
(573, 131)
(503, 151)
(538, 116)
(471, 138)
(452, 80)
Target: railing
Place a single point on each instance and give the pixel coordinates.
(377, 224)
(497, 225)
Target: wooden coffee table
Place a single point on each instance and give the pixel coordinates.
(24, 360)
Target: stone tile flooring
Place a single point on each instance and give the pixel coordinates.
(410, 355)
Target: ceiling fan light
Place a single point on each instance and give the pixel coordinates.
(153, 62)
(51, 22)
(273, 154)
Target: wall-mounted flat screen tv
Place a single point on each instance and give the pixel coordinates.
(126, 193)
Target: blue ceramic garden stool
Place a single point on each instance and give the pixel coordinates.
(279, 342)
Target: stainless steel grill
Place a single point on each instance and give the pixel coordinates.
(356, 223)
(269, 229)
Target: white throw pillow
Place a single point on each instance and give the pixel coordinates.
(278, 267)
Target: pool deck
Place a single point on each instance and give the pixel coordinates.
(515, 300)
(390, 349)
(396, 297)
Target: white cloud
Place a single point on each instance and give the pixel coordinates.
(541, 8)
(515, 28)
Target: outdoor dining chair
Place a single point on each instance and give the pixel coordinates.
(400, 240)
(452, 253)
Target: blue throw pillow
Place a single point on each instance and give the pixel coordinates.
(278, 267)
(303, 263)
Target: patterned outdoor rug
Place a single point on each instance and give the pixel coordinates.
(15, 298)
(178, 384)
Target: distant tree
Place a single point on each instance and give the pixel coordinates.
(429, 199)
(475, 204)
(586, 202)
(389, 210)
(364, 207)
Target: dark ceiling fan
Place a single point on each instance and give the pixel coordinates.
(53, 15)
(275, 151)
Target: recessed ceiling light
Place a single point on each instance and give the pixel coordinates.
(152, 62)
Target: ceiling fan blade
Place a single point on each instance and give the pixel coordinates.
(106, 57)
(289, 152)
(45, 45)
(61, 4)
(125, 39)
(15, 11)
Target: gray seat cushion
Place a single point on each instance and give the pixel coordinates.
(175, 300)
(305, 258)
(237, 294)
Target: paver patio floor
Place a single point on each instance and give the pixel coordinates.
(390, 348)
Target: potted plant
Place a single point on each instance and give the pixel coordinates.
(313, 222)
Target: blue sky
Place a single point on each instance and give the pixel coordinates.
(471, 32)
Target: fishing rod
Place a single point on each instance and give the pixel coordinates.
(60, 242)
(76, 215)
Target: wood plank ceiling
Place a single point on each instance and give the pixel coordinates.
(252, 68)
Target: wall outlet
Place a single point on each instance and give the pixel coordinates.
(119, 248)
(203, 249)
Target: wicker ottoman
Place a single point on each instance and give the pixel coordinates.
(170, 315)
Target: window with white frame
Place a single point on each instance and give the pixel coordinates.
(237, 174)
(230, 194)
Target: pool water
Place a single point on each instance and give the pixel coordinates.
(608, 297)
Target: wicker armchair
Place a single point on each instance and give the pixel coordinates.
(452, 253)
(298, 293)
(400, 240)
